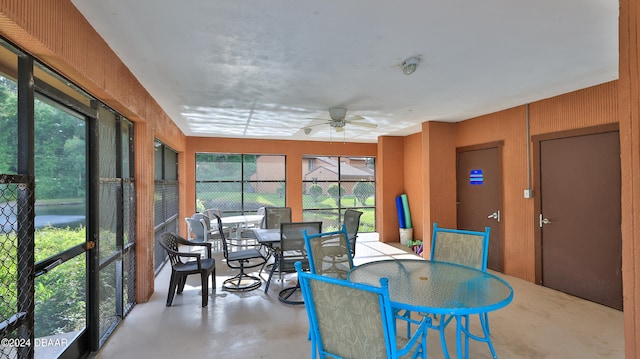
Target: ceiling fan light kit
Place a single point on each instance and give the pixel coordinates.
(337, 121)
(410, 65)
(337, 113)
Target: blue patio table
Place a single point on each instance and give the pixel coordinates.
(440, 288)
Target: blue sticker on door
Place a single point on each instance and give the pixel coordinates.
(476, 178)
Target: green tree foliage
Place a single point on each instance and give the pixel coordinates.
(59, 153)
(250, 166)
(200, 207)
(335, 192)
(363, 190)
(59, 145)
(315, 191)
(8, 277)
(60, 294)
(8, 126)
(224, 167)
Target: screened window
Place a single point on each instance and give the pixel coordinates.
(332, 185)
(239, 183)
(166, 196)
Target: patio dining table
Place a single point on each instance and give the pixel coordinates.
(440, 288)
(268, 237)
(241, 221)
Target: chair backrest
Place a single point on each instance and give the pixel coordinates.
(347, 319)
(329, 253)
(352, 221)
(217, 222)
(468, 248)
(205, 218)
(199, 229)
(292, 246)
(273, 216)
(170, 242)
(260, 212)
(211, 211)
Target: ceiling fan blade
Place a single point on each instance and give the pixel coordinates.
(364, 124)
(317, 124)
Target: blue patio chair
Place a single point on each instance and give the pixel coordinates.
(329, 253)
(467, 248)
(355, 320)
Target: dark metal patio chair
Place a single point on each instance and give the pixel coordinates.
(238, 256)
(351, 219)
(291, 250)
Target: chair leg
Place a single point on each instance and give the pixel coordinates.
(273, 268)
(204, 277)
(172, 289)
(181, 283)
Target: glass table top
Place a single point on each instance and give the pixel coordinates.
(436, 287)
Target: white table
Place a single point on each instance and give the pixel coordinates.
(241, 221)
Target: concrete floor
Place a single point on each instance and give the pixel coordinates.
(539, 323)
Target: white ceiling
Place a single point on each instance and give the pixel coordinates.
(267, 69)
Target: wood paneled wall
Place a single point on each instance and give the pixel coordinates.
(629, 124)
(413, 180)
(439, 187)
(390, 183)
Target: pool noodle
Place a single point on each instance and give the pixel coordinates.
(407, 214)
(400, 209)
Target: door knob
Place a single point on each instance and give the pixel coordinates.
(543, 220)
(495, 215)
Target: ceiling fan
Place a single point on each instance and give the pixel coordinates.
(338, 120)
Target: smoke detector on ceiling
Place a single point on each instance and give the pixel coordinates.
(410, 65)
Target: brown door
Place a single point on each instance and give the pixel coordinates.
(479, 184)
(580, 236)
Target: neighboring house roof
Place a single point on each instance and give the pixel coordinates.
(345, 171)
